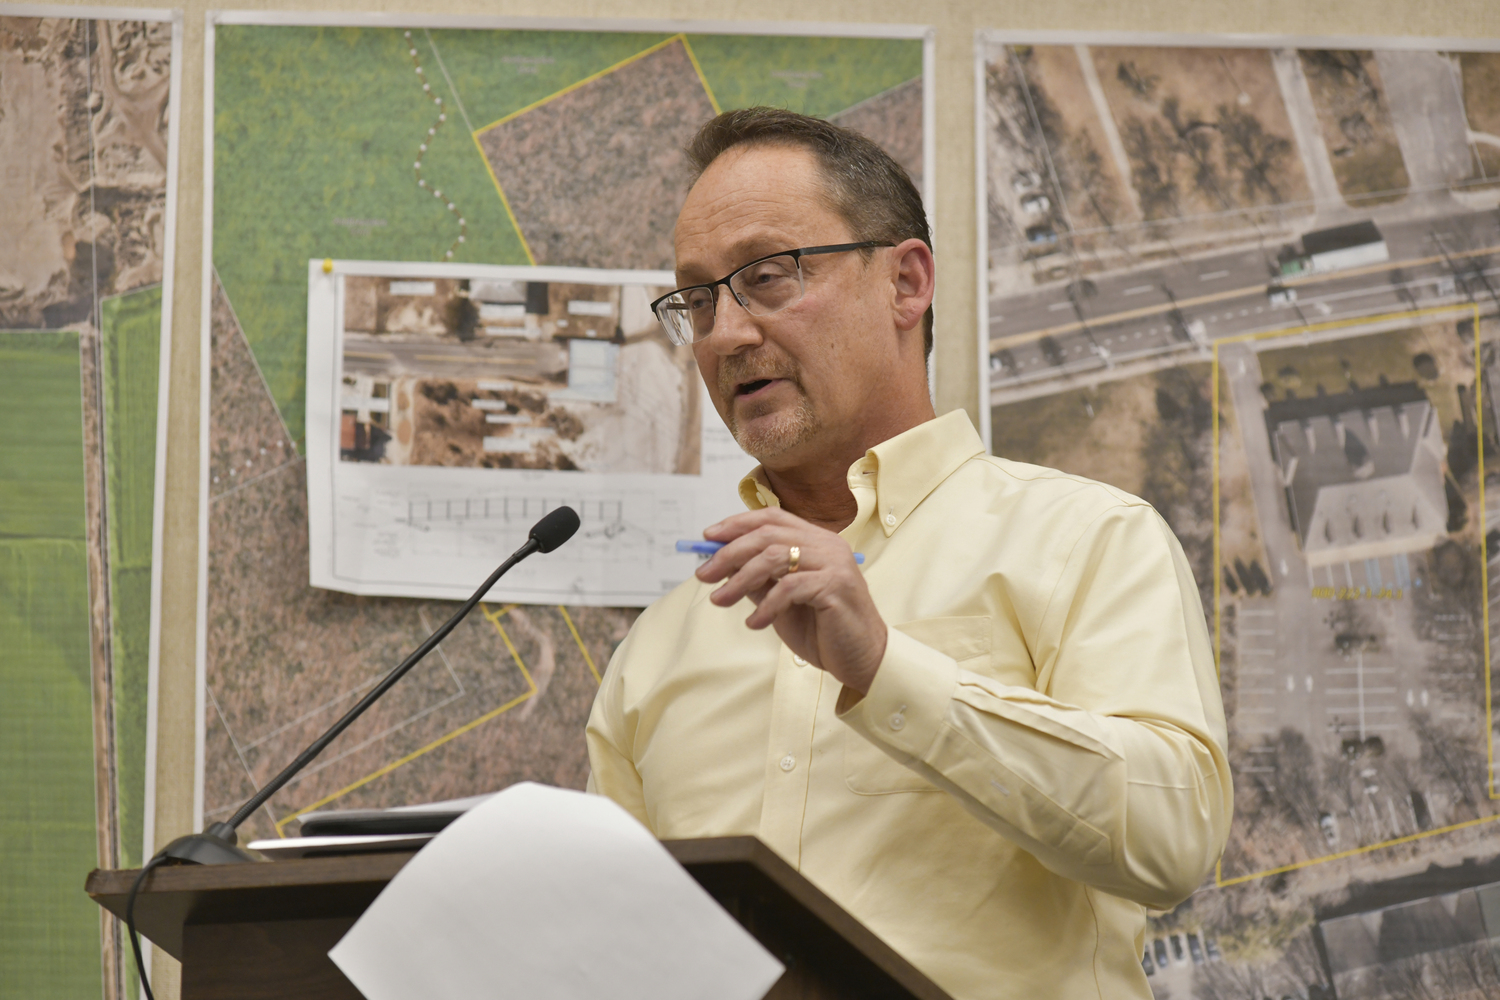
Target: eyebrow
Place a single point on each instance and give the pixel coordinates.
(744, 250)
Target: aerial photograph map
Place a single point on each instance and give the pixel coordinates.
(560, 405)
(1258, 287)
(491, 210)
(84, 122)
(448, 411)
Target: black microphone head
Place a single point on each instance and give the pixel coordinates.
(554, 529)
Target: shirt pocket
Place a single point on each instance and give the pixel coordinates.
(868, 770)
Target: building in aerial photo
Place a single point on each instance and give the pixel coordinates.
(1432, 933)
(1363, 472)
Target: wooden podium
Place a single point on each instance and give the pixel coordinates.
(263, 931)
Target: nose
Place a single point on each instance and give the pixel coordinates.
(734, 329)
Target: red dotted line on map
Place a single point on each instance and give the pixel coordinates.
(442, 118)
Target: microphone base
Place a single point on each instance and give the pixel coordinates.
(204, 849)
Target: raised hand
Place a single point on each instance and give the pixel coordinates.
(805, 583)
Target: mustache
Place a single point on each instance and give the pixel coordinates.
(737, 369)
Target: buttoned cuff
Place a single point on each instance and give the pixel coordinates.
(908, 699)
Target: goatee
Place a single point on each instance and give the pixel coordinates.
(773, 432)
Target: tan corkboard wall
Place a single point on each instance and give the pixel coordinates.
(954, 211)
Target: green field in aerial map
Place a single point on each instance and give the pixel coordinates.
(49, 930)
(131, 328)
(315, 131)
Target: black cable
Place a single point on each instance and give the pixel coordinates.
(135, 938)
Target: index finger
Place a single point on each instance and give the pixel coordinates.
(735, 525)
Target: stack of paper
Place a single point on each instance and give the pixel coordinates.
(550, 895)
(360, 831)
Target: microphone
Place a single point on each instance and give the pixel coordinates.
(552, 530)
(218, 844)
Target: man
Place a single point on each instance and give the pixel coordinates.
(1000, 738)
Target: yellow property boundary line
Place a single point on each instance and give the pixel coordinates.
(531, 690)
(702, 78)
(1219, 879)
(504, 201)
(581, 647)
(1222, 882)
(664, 43)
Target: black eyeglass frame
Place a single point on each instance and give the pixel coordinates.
(796, 256)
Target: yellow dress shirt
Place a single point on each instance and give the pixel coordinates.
(1041, 754)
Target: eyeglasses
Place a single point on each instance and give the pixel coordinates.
(761, 287)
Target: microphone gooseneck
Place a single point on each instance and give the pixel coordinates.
(217, 844)
(555, 528)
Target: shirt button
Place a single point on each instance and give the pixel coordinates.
(798, 660)
(788, 762)
(890, 520)
(897, 721)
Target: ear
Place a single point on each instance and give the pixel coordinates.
(915, 281)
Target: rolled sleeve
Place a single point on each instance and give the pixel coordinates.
(1114, 775)
(904, 709)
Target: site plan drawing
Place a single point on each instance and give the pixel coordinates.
(1255, 283)
(88, 112)
(450, 406)
(434, 244)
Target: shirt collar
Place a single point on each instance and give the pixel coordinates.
(902, 470)
(755, 491)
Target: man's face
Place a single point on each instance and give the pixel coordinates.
(794, 385)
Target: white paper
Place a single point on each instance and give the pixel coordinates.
(459, 806)
(279, 848)
(397, 525)
(550, 895)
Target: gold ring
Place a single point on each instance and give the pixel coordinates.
(794, 556)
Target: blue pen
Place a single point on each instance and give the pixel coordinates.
(703, 548)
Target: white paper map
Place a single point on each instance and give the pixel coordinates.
(450, 406)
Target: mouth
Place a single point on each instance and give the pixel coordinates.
(752, 387)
